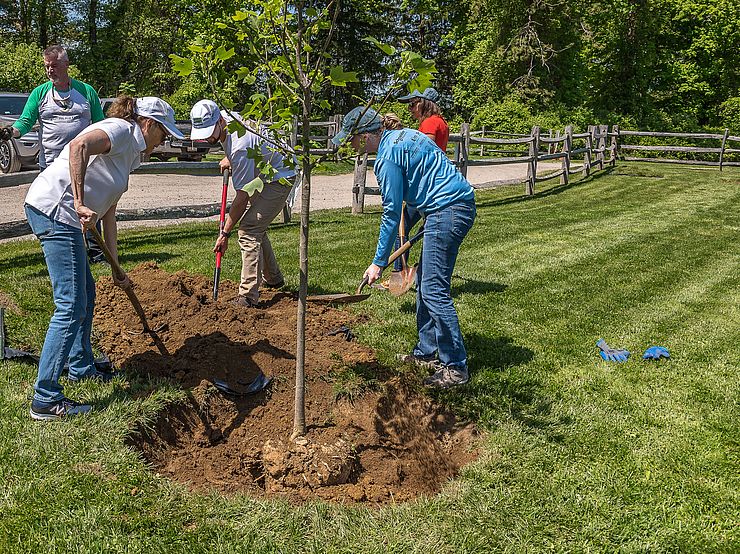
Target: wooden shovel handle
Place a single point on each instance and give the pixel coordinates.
(121, 276)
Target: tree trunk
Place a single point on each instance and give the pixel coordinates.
(299, 419)
(92, 23)
(44, 23)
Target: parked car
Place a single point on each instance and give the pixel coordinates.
(17, 152)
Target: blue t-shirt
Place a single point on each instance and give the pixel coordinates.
(410, 167)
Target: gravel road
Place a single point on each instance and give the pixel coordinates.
(149, 191)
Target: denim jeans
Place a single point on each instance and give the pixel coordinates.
(73, 287)
(410, 217)
(436, 318)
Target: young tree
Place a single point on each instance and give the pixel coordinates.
(283, 47)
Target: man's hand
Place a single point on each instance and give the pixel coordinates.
(224, 164)
(222, 244)
(372, 273)
(6, 132)
(87, 217)
(125, 284)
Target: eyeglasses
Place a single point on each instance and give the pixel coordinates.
(64, 102)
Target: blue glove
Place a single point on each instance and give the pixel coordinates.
(610, 354)
(656, 353)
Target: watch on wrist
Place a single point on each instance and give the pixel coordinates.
(225, 234)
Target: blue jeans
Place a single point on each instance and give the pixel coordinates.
(410, 217)
(436, 318)
(68, 336)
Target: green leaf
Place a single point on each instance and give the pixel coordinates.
(255, 185)
(183, 66)
(239, 16)
(311, 12)
(221, 25)
(387, 49)
(223, 54)
(197, 49)
(340, 78)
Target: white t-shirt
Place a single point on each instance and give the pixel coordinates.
(243, 168)
(106, 178)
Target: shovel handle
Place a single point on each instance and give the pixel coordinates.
(121, 276)
(222, 221)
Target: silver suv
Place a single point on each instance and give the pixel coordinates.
(22, 151)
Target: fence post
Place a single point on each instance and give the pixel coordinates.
(602, 144)
(464, 148)
(482, 135)
(534, 149)
(551, 145)
(614, 145)
(722, 150)
(567, 148)
(589, 151)
(358, 185)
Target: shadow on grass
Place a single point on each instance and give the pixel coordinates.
(552, 191)
(503, 388)
(142, 257)
(473, 286)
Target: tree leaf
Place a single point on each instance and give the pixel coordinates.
(340, 78)
(239, 15)
(183, 66)
(387, 49)
(224, 54)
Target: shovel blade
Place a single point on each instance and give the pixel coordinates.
(401, 281)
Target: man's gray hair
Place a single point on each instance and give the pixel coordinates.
(56, 51)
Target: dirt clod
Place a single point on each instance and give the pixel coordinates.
(390, 444)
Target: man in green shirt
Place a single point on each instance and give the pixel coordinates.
(63, 107)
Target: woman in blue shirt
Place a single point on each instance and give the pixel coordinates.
(410, 167)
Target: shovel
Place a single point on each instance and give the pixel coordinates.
(121, 275)
(400, 282)
(259, 384)
(358, 296)
(222, 220)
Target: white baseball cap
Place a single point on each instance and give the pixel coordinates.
(204, 116)
(160, 111)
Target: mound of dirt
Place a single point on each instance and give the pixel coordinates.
(372, 436)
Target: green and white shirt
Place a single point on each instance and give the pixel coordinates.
(61, 114)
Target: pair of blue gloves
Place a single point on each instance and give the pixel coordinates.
(620, 355)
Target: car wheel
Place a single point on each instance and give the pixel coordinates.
(9, 160)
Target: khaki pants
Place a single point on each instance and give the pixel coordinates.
(258, 258)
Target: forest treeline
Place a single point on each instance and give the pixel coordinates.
(505, 64)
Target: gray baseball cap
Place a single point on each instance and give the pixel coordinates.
(355, 122)
(428, 94)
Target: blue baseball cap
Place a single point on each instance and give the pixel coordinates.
(428, 94)
(355, 122)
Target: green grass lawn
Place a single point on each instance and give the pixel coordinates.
(580, 455)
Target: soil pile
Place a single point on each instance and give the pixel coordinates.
(371, 437)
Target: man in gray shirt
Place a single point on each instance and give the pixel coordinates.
(63, 107)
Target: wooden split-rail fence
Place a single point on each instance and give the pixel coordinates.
(582, 153)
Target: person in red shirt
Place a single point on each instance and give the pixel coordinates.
(423, 106)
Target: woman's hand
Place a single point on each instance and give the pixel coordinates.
(125, 284)
(224, 164)
(372, 273)
(222, 244)
(87, 216)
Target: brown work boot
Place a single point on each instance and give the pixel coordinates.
(243, 302)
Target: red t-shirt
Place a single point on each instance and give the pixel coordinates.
(437, 126)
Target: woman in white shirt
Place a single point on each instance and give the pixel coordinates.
(83, 184)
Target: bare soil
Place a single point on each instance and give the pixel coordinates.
(373, 435)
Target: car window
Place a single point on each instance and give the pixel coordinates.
(12, 105)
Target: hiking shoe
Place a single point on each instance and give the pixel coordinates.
(243, 302)
(280, 284)
(446, 377)
(65, 407)
(424, 362)
(100, 376)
